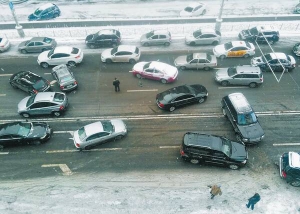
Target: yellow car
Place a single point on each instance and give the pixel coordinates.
(234, 49)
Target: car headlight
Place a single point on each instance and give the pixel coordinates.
(245, 140)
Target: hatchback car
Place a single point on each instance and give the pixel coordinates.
(60, 55)
(296, 49)
(240, 75)
(234, 49)
(23, 133)
(196, 61)
(64, 77)
(211, 149)
(43, 103)
(156, 37)
(181, 96)
(29, 82)
(194, 9)
(122, 53)
(4, 44)
(105, 37)
(260, 34)
(289, 168)
(160, 71)
(275, 62)
(37, 45)
(45, 12)
(99, 132)
(203, 37)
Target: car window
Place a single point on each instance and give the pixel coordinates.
(38, 105)
(226, 147)
(155, 37)
(92, 137)
(239, 76)
(39, 43)
(203, 61)
(47, 40)
(184, 97)
(188, 9)
(102, 134)
(75, 51)
(149, 70)
(197, 33)
(30, 44)
(194, 61)
(55, 56)
(162, 36)
(30, 100)
(150, 34)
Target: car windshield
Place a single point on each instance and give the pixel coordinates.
(30, 100)
(226, 147)
(189, 57)
(146, 65)
(197, 33)
(20, 129)
(47, 40)
(148, 35)
(107, 126)
(247, 119)
(228, 45)
(188, 9)
(66, 78)
(50, 53)
(208, 57)
(39, 84)
(267, 57)
(253, 31)
(24, 129)
(114, 50)
(231, 71)
(37, 12)
(58, 97)
(81, 133)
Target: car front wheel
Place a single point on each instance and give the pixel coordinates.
(295, 183)
(23, 51)
(222, 57)
(44, 64)
(246, 55)
(233, 166)
(119, 137)
(163, 81)
(224, 83)
(194, 161)
(108, 61)
(25, 115)
(138, 76)
(167, 44)
(131, 61)
(201, 100)
(252, 85)
(172, 108)
(56, 113)
(72, 63)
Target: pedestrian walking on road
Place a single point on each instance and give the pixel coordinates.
(215, 190)
(116, 83)
(253, 200)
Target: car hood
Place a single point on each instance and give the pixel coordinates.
(106, 53)
(41, 85)
(43, 56)
(32, 17)
(22, 44)
(119, 125)
(181, 60)
(222, 73)
(257, 61)
(22, 104)
(239, 152)
(39, 129)
(252, 131)
(220, 49)
(139, 66)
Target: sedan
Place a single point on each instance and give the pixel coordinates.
(37, 45)
(196, 61)
(64, 78)
(234, 49)
(4, 44)
(194, 9)
(22, 133)
(296, 49)
(122, 53)
(160, 71)
(180, 96)
(99, 132)
(203, 37)
(60, 55)
(29, 82)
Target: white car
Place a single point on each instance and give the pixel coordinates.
(234, 49)
(4, 44)
(60, 55)
(122, 53)
(203, 36)
(194, 9)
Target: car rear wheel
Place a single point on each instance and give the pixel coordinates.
(138, 76)
(56, 113)
(172, 108)
(146, 44)
(44, 64)
(92, 46)
(87, 147)
(182, 67)
(194, 161)
(108, 61)
(246, 55)
(206, 68)
(119, 137)
(252, 85)
(215, 43)
(163, 81)
(71, 63)
(224, 83)
(222, 57)
(23, 51)
(14, 86)
(36, 142)
(233, 166)
(193, 43)
(25, 115)
(131, 61)
(295, 183)
(201, 100)
(55, 15)
(167, 44)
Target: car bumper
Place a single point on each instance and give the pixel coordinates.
(5, 47)
(69, 87)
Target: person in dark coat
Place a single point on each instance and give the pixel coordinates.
(253, 200)
(116, 83)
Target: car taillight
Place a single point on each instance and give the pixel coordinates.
(61, 87)
(35, 91)
(283, 174)
(61, 108)
(161, 105)
(75, 83)
(261, 79)
(77, 145)
(77, 57)
(182, 152)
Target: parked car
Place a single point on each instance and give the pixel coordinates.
(234, 49)
(240, 75)
(60, 55)
(196, 61)
(275, 61)
(45, 12)
(4, 44)
(296, 49)
(105, 37)
(64, 77)
(289, 168)
(37, 45)
(260, 34)
(160, 71)
(212, 149)
(203, 36)
(243, 119)
(23, 133)
(98, 133)
(156, 37)
(43, 103)
(193, 9)
(29, 82)
(297, 9)
(122, 53)
(181, 96)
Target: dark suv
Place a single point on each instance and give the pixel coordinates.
(260, 34)
(107, 37)
(289, 168)
(211, 149)
(242, 117)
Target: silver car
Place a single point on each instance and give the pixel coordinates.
(196, 61)
(99, 132)
(4, 44)
(122, 53)
(53, 103)
(203, 37)
(64, 77)
(37, 45)
(156, 37)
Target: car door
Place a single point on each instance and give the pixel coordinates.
(147, 73)
(59, 58)
(205, 39)
(184, 100)
(100, 40)
(97, 138)
(30, 47)
(154, 40)
(39, 47)
(158, 75)
(121, 56)
(37, 108)
(193, 64)
(237, 79)
(216, 158)
(162, 39)
(203, 63)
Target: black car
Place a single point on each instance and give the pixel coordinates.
(22, 133)
(181, 96)
(107, 37)
(289, 168)
(29, 82)
(260, 34)
(211, 149)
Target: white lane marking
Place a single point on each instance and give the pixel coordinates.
(4, 153)
(64, 168)
(169, 147)
(5, 75)
(142, 90)
(61, 151)
(53, 82)
(2, 95)
(47, 73)
(286, 144)
(76, 150)
(64, 132)
(229, 87)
